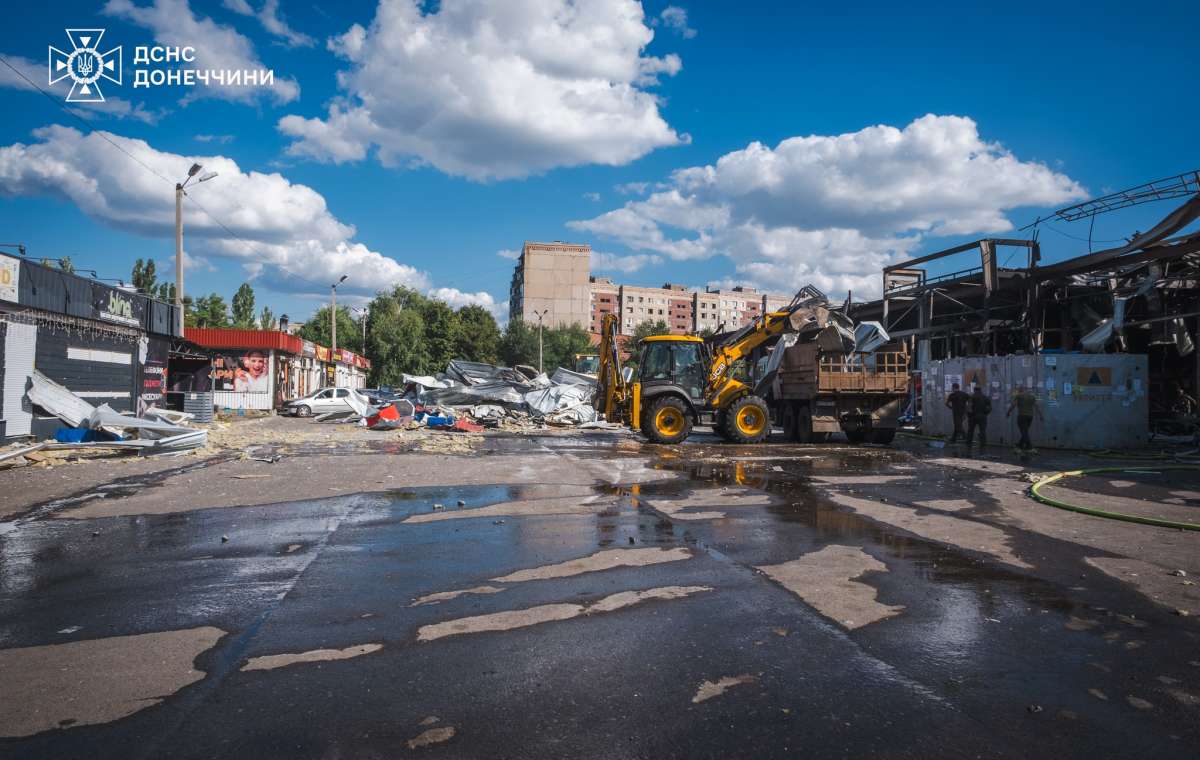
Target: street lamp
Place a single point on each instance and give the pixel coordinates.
(333, 313)
(539, 315)
(364, 312)
(192, 172)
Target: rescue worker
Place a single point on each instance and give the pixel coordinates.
(978, 409)
(1026, 405)
(956, 402)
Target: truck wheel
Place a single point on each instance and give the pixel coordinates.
(749, 420)
(856, 436)
(883, 435)
(786, 414)
(804, 431)
(668, 421)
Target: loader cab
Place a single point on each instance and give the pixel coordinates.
(669, 392)
(678, 361)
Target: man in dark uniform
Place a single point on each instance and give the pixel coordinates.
(978, 409)
(956, 402)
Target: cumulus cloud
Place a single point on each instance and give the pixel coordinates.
(611, 262)
(283, 233)
(509, 253)
(832, 210)
(493, 90)
(35, 72)
(457, 299)
(675, 18)
(268, 16)
(218, 47)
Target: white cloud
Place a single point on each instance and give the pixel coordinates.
(117, 108)
(593, 197)
(632, 188)
(294, 243)
(217, 47)
(493, 90)
(834, 210)
(219, 139)
(611, 262)
(675, 18)
(508, 253)
(268, 16)
(457, 299)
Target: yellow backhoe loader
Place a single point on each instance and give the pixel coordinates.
(682, 380)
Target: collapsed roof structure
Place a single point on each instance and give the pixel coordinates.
(1141, 297)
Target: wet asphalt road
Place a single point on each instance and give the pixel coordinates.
(982, 662)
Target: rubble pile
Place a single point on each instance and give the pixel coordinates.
(470, 397)
(91, 428)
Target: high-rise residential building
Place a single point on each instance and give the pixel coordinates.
(683, 309)
(606, 299)
(552, 278)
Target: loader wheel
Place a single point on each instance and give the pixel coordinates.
(668, 421)
(749, 421)
(721, 424)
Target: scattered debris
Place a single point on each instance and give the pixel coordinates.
(158, 431)
(710, 689)
(432, 736)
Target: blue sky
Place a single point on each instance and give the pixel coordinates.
(696, 142)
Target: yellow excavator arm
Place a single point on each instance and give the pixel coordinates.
(612, 393)
(721, 386)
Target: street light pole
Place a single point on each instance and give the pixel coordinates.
(539, 316)
(179, 258)
(179, 193)
(333, 313)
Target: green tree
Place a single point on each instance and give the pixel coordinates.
(145, 279)
(349, 332)
(211, 311)
(706, 332)
(646, 329)
(441, 334)
(560, 344)
(518, 344)
(266, 320)
(243, 307)
(395, 341)
(478, 335)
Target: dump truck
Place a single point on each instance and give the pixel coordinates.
(816, 392)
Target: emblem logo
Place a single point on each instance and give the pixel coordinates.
(85, 65)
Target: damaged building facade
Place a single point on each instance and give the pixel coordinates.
(107, 344)
(1107, 336)
(260, 369)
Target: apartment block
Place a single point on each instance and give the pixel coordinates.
(606, 299)
(683, 309)
(551, 280)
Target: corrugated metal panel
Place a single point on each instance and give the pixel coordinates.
(199, 404)
(20, 344)
(43, 288)
(160, 318)
(232, 337)
(78, 297)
